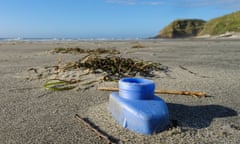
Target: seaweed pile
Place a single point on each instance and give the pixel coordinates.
(78, 50)
(138, 45)
(116, 67)
(97, 66)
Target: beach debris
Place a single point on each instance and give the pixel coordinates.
(98, 65)
(138, 45)
(191, 72)
(136, 108)
(96, 131)
(117, 67)
(93, 69)
(78, 50)
(174, 92)
(59, 85)
(33, 69)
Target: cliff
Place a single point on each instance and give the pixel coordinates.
(182, 28)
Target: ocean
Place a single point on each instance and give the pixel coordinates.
(66, 39)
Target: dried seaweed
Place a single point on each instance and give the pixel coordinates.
(78, 50)
(117, 67)
(59, 85)
(105, 62)
(138, 45)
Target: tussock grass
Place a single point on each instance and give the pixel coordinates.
(221, 25)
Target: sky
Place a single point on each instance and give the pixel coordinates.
(102, 18)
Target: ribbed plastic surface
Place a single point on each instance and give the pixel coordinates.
(136, 88)
(137, 108)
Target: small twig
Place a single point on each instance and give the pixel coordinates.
(33, 69)
(190, 93)
(191, 72)
(44, 94)
(99, 134)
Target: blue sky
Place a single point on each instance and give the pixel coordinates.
(102, 18)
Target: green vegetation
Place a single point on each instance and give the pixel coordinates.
(58, 85)
(221, 25)
(182, 28)
(193, 27)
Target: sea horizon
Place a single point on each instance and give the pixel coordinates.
(70, 38)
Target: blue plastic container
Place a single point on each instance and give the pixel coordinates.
(136, 88)
(137, 108)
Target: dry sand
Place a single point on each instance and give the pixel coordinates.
(31, 114)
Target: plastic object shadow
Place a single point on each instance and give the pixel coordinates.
(198, 116)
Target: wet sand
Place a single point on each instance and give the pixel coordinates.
(31, 114)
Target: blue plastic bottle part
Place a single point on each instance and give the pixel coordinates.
(136, 88)
(137, 108)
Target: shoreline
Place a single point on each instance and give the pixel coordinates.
(225, 36)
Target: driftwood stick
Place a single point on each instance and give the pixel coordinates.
(189, 93)
(99, 134)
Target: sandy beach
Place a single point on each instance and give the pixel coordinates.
(31, 114)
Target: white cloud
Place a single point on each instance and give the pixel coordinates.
(153, 3)
(128, 2)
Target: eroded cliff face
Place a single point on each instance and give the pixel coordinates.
(182, 29)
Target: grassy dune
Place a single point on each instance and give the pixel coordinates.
(220, 25)
(195, 27)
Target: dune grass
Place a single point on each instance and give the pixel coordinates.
(221, 25)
